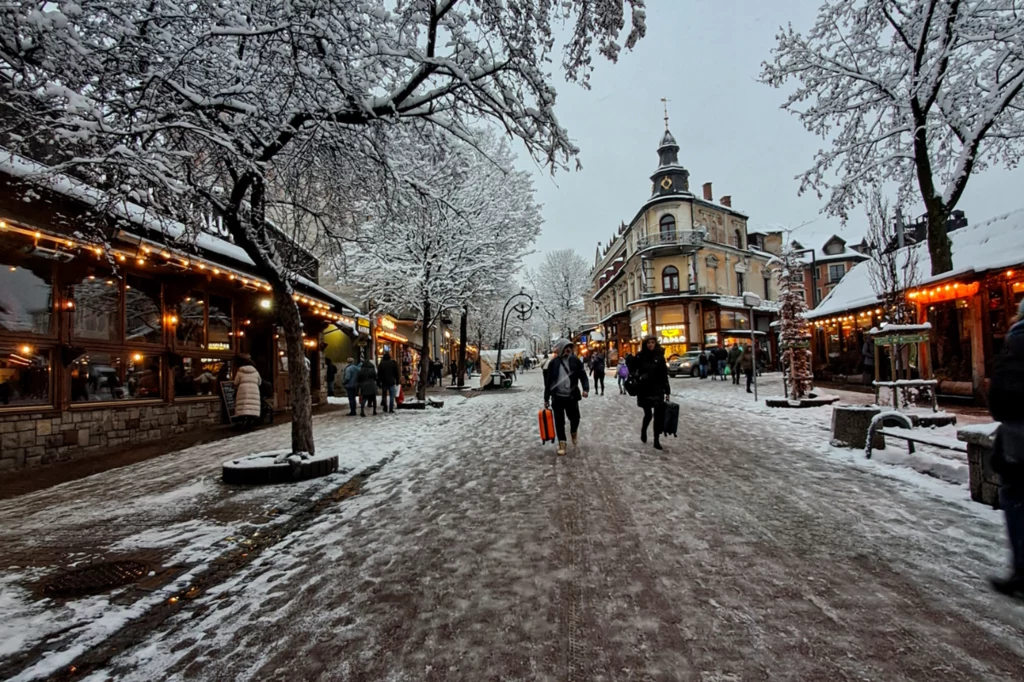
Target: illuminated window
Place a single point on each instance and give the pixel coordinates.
(24, 375)
(108, 377)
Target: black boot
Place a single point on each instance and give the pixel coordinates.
(1011, 587)
(643, 429)
(657, 441)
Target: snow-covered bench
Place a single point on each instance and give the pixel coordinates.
(908, 433)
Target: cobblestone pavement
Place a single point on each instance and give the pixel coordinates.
(745, 551)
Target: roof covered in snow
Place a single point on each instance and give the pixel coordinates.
(992, 245)
(839, 246)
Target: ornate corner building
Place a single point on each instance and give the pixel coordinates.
(678, 270)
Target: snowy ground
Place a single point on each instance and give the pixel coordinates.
(171, 511)
(749, 550)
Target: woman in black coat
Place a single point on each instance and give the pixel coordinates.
(651, 370)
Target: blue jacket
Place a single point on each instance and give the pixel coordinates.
(350, 378)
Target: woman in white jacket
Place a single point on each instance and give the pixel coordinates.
(247, 390)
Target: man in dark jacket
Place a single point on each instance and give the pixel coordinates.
(1006, 401)
(597, 367)
(332, 372)
(734, 362)
(388, 378)
(562, 378)
(350, 379)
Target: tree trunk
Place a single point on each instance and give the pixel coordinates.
(298, 374)
(258, 246)
(463, 340)
(939, 246)
(421, 390)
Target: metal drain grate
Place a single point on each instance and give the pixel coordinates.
(95, 578)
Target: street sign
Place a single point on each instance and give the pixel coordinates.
(901, 339)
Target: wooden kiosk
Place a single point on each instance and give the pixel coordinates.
(896, 338)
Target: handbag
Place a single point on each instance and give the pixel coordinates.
(632, 385)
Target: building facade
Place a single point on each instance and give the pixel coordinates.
(969, 308)
(127, 341)
(678, 269)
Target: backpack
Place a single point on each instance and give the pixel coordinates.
(623, 371)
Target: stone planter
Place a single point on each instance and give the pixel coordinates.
(984, 482)
(850, 426)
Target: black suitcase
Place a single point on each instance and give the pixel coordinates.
(671, 425)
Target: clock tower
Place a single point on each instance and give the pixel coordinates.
(671, 179)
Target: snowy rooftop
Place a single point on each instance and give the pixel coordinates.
(992, 245)
(846, 253)
(176, 234)
(737, 302)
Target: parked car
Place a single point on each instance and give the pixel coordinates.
(686, 363)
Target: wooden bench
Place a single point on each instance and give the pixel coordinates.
(909, 434)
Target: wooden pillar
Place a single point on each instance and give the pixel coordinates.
(977, 346)
(924, 360)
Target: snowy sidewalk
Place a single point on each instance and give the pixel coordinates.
(171, 512)
(746, 551)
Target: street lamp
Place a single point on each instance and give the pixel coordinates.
(523, 308)
(752, 301)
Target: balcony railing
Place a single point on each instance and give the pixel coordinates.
(681, 238)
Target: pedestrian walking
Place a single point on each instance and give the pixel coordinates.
(350, 380)
(702, 362)
(746, 365)
(247, 391)
(719, 357)
(331, 374)
(653, 389)
(733, 360)
(367, 387)
(562, 393)
(597, 368)
(622, 373)
(388, 378)
(454, 369)
(867, 354)
(1006, 402)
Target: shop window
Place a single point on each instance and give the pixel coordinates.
(26, 295)
(200, 376)
(24, 375)
(219, 331)
(97, 308)
(729, 319)
(191, 319)
(144, 313)
(106, 377)
(670, 280)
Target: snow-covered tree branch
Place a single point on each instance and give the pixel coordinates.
(559, 285)
(920, 92)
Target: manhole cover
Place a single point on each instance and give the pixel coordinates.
(95, 578)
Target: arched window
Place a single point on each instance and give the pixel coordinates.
(670, 280)
(668, 228)
(737, 239)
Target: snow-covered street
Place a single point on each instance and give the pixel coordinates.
(749, 549)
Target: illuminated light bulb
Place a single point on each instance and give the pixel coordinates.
(92, 276)
(137, 357)
(265, 303)
(38, 235)
(216, 271)
(165, 254)
(174, 319)
(3, 225)
(202, 267)
(110, 281)
(14, 269)
(26, 349)
(121, 258)
(69, 243)
(231, 276)
(140, 261)
(146, 249)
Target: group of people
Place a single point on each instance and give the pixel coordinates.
(566, 384)
(363, 379)
(738, 360)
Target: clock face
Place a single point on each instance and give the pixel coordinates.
(666, 183)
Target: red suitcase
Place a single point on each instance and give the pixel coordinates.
(546, 420)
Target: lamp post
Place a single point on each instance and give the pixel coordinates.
(523, 308)
(752, 301)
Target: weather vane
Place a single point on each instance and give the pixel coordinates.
(664, 102)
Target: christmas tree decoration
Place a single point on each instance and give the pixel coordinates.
(795, 341)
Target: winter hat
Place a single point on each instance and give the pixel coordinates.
(561, 344)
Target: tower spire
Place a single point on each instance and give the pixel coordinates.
(664, 102)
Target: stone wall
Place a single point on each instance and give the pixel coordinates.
(34, 439)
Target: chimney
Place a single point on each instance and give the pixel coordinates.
(727, 201)
(707, 191)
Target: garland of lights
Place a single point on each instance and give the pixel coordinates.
(151, 250)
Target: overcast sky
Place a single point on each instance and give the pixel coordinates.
(705, 57)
